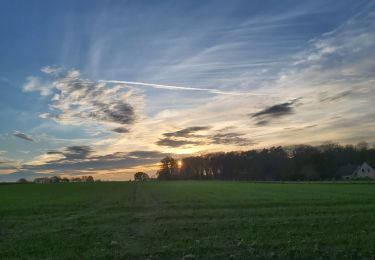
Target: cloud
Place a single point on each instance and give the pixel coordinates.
(183, 137)
(120, 130)
(231, 138)
(37, 84)
(5, 161)
(186, 132)
(121, 113)
(187, 136)
(23, 136)
(147, 154)
(76, 100)
(77, 152)
(7, 165)
(337, 61)
(80, 158)
(335, 97)
(262, 122)
(73, 152)
(51, 70)
(173, 87)
(301, 128)
(169, 142)
(276, 110)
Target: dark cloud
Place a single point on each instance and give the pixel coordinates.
(121, 113)
(170, 142)
(182, 137)
(107, 162)
(186, 132)
(231, 138)
(276, 110)
(264, 116)
(262, 122)
(187, 136)
(311, 126)
(147, 154)
(120, 130)
(74, 152)
(77, 152)
(23, 136)
(324, 98)
(54, 152)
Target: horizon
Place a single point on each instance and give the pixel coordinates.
(158, 167)
(108, 89)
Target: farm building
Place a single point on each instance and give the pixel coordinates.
(364, 171)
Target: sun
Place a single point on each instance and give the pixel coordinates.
(179, 164)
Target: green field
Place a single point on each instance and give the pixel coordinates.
(187, 220)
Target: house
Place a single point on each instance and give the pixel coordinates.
(364, 171)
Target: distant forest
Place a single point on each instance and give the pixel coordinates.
(298, 163)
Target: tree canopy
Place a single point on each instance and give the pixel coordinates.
(141, 176)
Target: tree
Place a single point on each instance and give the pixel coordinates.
(86, 179)
(141, 176)
(23, 180)
(298, 163)
(362, 146)
(55, 179)
(168, 169)
(65, 179)
(76, 179)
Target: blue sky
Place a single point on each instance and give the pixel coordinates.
(109, 87)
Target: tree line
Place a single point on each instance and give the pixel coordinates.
(58, 179)
(298, 163)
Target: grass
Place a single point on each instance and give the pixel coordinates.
(187, 220)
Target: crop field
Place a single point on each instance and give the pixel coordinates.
(187, 220)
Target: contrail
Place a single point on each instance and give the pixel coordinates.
(173, 87)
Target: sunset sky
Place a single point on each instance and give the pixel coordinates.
(107, 88)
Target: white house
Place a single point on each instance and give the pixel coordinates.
(364, 171)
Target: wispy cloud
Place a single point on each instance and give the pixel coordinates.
(37, 84)
(173, 87)
(187, 132)
(231, 139)
(23, 136)
(170, 142)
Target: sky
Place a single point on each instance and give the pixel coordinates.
(108, 88)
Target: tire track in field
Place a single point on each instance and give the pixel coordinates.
(124, 242)
(143, 210)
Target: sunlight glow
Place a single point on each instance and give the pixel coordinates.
(179, 164)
